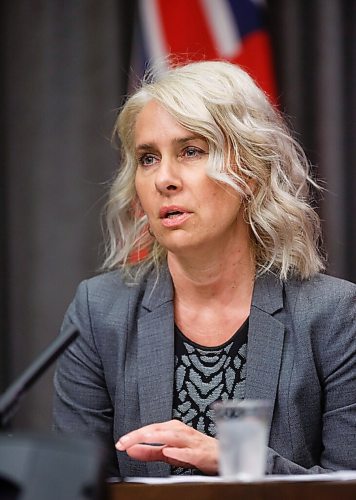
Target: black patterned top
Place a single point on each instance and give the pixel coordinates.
(204, 375)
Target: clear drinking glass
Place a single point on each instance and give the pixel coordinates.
(242, 432)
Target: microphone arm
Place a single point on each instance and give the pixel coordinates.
(9, 400)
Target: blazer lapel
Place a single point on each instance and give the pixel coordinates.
(265, 341)
(155, 359)
(155, 356)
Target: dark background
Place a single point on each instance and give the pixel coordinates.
(64, 71)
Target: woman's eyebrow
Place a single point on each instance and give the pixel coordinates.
(194, 137)
(179, 140)
(144, 147)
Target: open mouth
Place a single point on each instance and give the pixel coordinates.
(171, 215)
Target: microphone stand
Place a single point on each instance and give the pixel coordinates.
(31, 464)
(9, 400)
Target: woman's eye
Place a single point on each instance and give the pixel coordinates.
(146, 160)
(193, 152)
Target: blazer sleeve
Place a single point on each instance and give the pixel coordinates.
(82, 404)
(336, 360)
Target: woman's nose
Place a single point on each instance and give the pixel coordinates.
(167, 176)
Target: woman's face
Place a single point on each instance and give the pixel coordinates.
(186, 210)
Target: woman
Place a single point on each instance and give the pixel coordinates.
(214, 290)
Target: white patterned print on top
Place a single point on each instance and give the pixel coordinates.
(203, 376)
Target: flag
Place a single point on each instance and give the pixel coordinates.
(194, 30)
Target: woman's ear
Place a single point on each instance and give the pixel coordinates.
(250, 187)
(248, 184)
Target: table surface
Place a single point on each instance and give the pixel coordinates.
(283, 490)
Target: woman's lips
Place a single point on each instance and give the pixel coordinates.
(173, 215)
(176, 219)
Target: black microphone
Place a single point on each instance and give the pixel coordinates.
(10, 398)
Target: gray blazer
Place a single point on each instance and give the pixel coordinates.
(301, 355)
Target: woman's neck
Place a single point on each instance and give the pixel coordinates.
(212, 299)
(212, 278)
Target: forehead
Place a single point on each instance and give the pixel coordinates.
(155, 124)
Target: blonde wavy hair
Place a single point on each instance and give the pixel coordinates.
(222, 103)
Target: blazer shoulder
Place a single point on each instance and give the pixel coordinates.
(325, 280)
(321, 300)
(106, 294)
(321, 287)
(109, 282)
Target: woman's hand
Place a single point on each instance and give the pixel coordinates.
(172, 442)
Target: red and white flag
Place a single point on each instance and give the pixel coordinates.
(194, 30)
